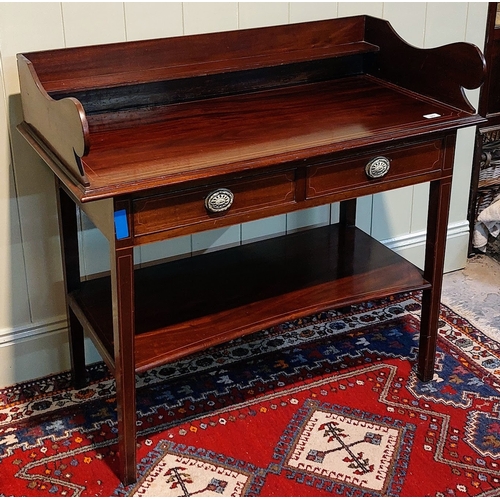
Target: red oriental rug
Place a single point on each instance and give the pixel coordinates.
(325, 406)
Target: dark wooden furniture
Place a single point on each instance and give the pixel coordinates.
(485, 181)
(161, 138)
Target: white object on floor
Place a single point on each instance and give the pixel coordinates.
(488, 221)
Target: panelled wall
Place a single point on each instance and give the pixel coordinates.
(32, 318)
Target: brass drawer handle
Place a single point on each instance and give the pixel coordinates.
(378, 167)
(219, 200)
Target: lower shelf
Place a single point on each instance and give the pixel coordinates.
(188, 305)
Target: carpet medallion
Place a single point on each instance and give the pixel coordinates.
(328, 405)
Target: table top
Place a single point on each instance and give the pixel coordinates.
(234, 134)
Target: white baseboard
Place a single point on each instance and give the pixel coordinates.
(10, 336)
(38, 350)
(412, 246)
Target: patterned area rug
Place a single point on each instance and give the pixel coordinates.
(325, 406)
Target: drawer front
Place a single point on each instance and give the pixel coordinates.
(351, 173)
(195, 206)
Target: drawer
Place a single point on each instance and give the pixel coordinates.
(225, 200)
(351, 173)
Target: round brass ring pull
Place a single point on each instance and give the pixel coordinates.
(219, 200)
(378, 167)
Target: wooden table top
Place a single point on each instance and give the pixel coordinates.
(233, 134)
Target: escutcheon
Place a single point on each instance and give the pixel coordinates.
(219, 200)
(378, 167)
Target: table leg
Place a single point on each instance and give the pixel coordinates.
(122, 278)
(347, 215)
(347, 219)
(68, 229)
(77, 351)
(437, 225)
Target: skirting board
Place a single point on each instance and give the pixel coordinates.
(39, 350)
(30, 353)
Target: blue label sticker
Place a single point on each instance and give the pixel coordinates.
(121, 224)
